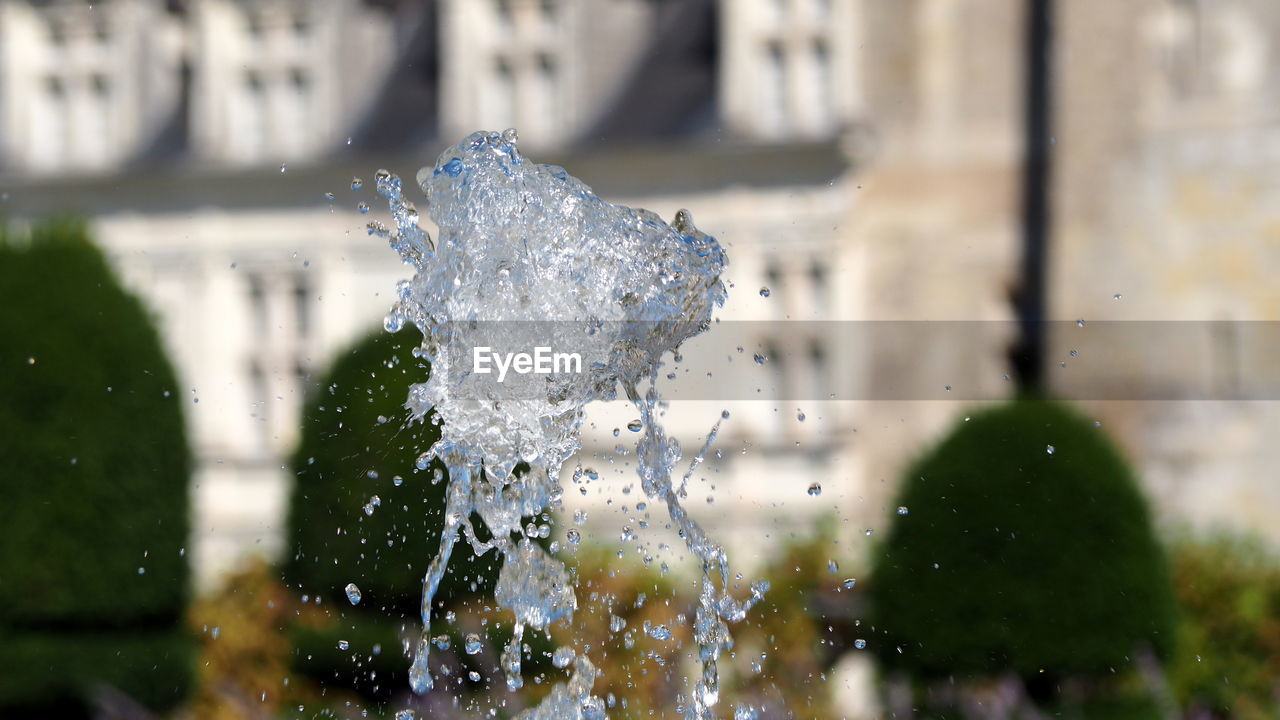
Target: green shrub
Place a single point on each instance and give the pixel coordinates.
(355, 443)
(94, 471)
(1012, 558)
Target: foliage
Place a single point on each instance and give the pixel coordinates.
(1228, 662)
(245, 647)
(793, 638)
(95, 474)
(1027, 548)
(642, 673)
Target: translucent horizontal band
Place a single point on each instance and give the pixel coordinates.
(788, 361)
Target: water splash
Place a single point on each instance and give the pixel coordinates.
(519, 243)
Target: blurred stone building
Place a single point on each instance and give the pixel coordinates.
(859, 158)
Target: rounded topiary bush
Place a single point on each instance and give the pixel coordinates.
(356, 444)
(1026, 547)
(94, 470)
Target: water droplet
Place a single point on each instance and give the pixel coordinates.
(849, 583)
(400, 714)
(363, 207)
(860, 644)
(472, 644)
(833, 567)
(574, 536)
(31, 361)
(356, 183)
(760, 359)
(353, 593)
(284, 167)
(815, 489)
(902, 510)
(1050, 449)
(563, 656)
(1080, 322)
(328, 196)
(343, 645)
(142, 571)
(441, 641)
(660, 632)
(1117, 296)
(473, 676)
(799, 415)
(764, 292)
(397, 480)
(635, 426)
(1075, 354)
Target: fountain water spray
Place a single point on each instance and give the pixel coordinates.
(528, 255)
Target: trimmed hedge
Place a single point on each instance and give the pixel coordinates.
(1012, 558)
(355, 442)
(57, 674)
(94, 471)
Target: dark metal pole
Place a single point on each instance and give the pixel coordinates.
(1027, 354)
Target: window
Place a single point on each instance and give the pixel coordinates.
(93, 141)
(780, 80)
(49, 125)
(773, 91)
(302, 305)
(301, 29)
(253, 27)
(500, 105)
(249, 129)
(57, 34)
(259, 399)
(819, 386)
(292, 128)
(543, 100)
(258, 306)
(502, 15)
(548, 16)
(821, 117)
(818, 282)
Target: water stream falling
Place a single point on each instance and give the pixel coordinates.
(527, 256)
